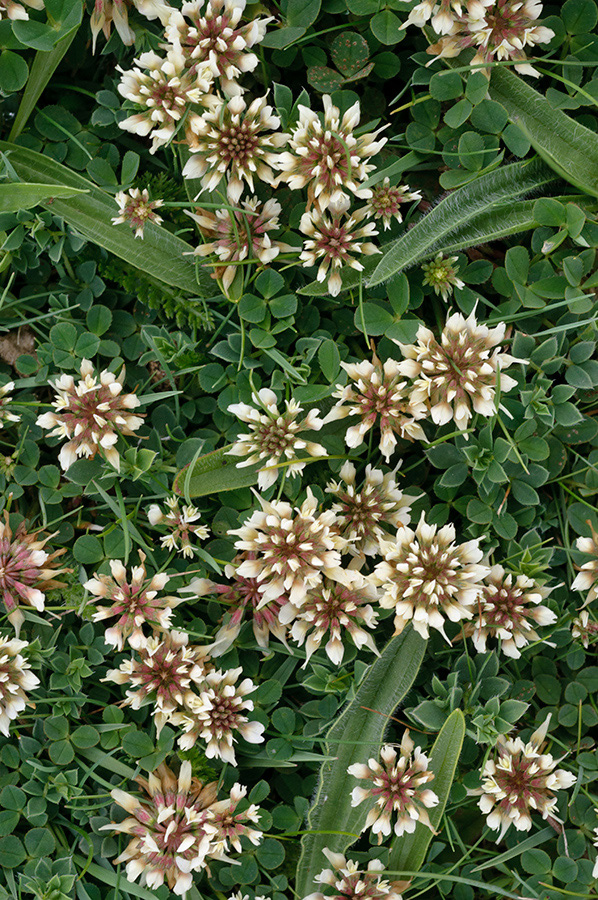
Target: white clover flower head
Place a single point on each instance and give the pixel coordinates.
(459, 375)
(274, 436)
(386, 201)
(27, 569)
(397, 785)
(236, 236)
(16, 678)
(509, 609)
(327, 158)
(519, 781)
(242, 598)
(348, 880)
(377, 393)
(587, 577)
(182, 524)
(335, 239)
(217, 714)
(427, 578)
(331, 611)
(236, 143)
(226, 826)
(293, 548)
(91, 414)
(10, 9)
(498, 29)
(442, 276)
(362, 513)
(583, 628)
(162, 90)
(166, 671)
(134, 600)
(176, 826)
(6, 415)
(105, 12)
(136, 210)
(212, 34)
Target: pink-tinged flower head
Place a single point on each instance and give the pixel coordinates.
(181, 524)
(136, 210)
(91, 414)
(519, 781)
(167, 671)
(498, 29)
(442, 275)
(509, 608)
(460, 375)
(217, 714)
(211, 33)
(386, 201)
(16, 678)
(242, 598)
(397, 786)
(327, 158)
(347, 880)
(294, 548)
(274, 436)
(26, 570)
(172, 827)
(133, 600)
(361, 513)
(332, 610)
(10, 9)
(427, 578)
(5, 412)
(587, 577)
(105, 12)
(584, 629)
(226, 826)
(234, 142)
(377, 393)
(162, 90)
(234, 237)
(335, 239)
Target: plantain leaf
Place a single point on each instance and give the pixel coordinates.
(42, 69)
(160, 254)
(567, 146)
(408, 852)
(355, 736)
(213, 473)
(456, 211)
(14, 197)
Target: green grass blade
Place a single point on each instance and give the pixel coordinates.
(456, 211)
(409, 851)
(160, 254)
(43, 67)
(567, 146)
(356, 735)
(528, 844)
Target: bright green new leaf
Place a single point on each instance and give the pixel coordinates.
(160, 254)
(408, 852)
(14, 197)
(568, 147)
(356, 735)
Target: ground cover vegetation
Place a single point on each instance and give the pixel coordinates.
(298, 449)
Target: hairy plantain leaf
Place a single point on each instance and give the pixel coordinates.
(408, 852)
(213, 473)
(16, 196)
(356, 735)
(456, 211)
(568, 147)
(161, 254)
